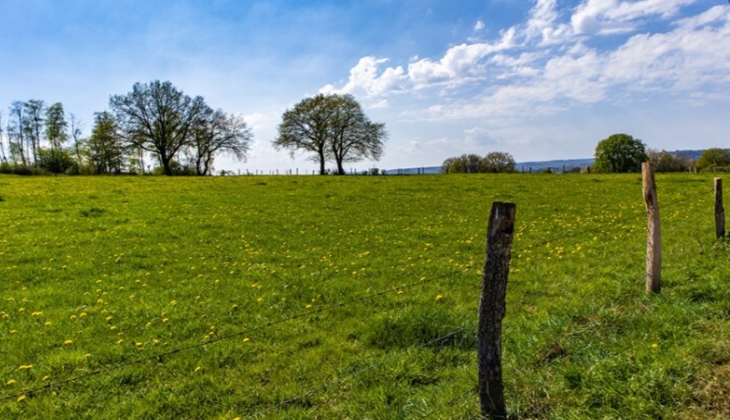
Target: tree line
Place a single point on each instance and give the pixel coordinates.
(179, 133)
(617, 153)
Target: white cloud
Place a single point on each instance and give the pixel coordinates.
(479, 25)
(614, 17)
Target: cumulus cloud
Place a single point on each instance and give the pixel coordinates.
(556, 58)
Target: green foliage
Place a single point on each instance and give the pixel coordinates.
(493, 162)
(56, 161)
(497, 162)
(714, 159)
(98, 271)
(619, 153)
(331, 128)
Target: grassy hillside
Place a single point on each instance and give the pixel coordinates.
(236, 296)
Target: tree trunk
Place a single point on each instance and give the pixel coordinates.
(321, 163)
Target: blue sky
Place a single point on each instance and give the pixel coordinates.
(540, 79)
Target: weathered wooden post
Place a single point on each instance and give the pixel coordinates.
(492, 310)
(719, 210)
(654, 242)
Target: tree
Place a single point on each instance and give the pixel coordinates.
(216, 133)
(105, 147)
(78, 142)
(306, 127)
(158, 118)
(353, 137)
(331, 127)
(3, 156)
(713, 159)
(464, 164)
(497, 162)
(32, 125)
(620, 153)
(56, 126)
(16, 134)
(663, 161)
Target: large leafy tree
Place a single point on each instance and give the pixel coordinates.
(353, 137)
(331, 127)
(714, 158)
(306, 128)
(105, 148)
(620, 153)
(216, 133)
(158, 118)
(497, 162)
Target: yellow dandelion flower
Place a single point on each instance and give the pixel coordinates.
(246, 339)
(87, 355)
(120, 341)
(67, 342)
(21, 398)
(165, 320)
(655, 346)
(45, 378)
(82, 314)
(197, 368)
(308, 306)
(25, 367)
(10, 382)
(173, 303)
(36, 313)
(439, 297)
(155, 341)
(47, 323)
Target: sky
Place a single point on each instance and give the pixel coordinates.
(539, 79)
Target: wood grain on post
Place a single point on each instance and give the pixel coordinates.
(719, 210)
(492, 309)
(654, 242)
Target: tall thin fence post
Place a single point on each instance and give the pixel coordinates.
(719, 210)
(492, 310)
(654, 242)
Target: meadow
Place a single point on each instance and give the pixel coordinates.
(289, 297)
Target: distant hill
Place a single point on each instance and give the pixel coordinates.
(535, 166)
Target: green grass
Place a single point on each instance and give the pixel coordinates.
(102, 272)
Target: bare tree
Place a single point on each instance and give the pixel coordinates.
(158, 118)
(16, 134)
(76, 134)
(217, 133)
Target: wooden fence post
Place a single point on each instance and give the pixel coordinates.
(719, 210)
(492, 309)
(654, 242)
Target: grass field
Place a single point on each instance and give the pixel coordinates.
(152, 297)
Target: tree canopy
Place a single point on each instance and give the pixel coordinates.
(620, 153)
(331, 127)
(714, 158)
(493, 162)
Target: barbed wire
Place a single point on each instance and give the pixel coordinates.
(354, 374)
(310, 312)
